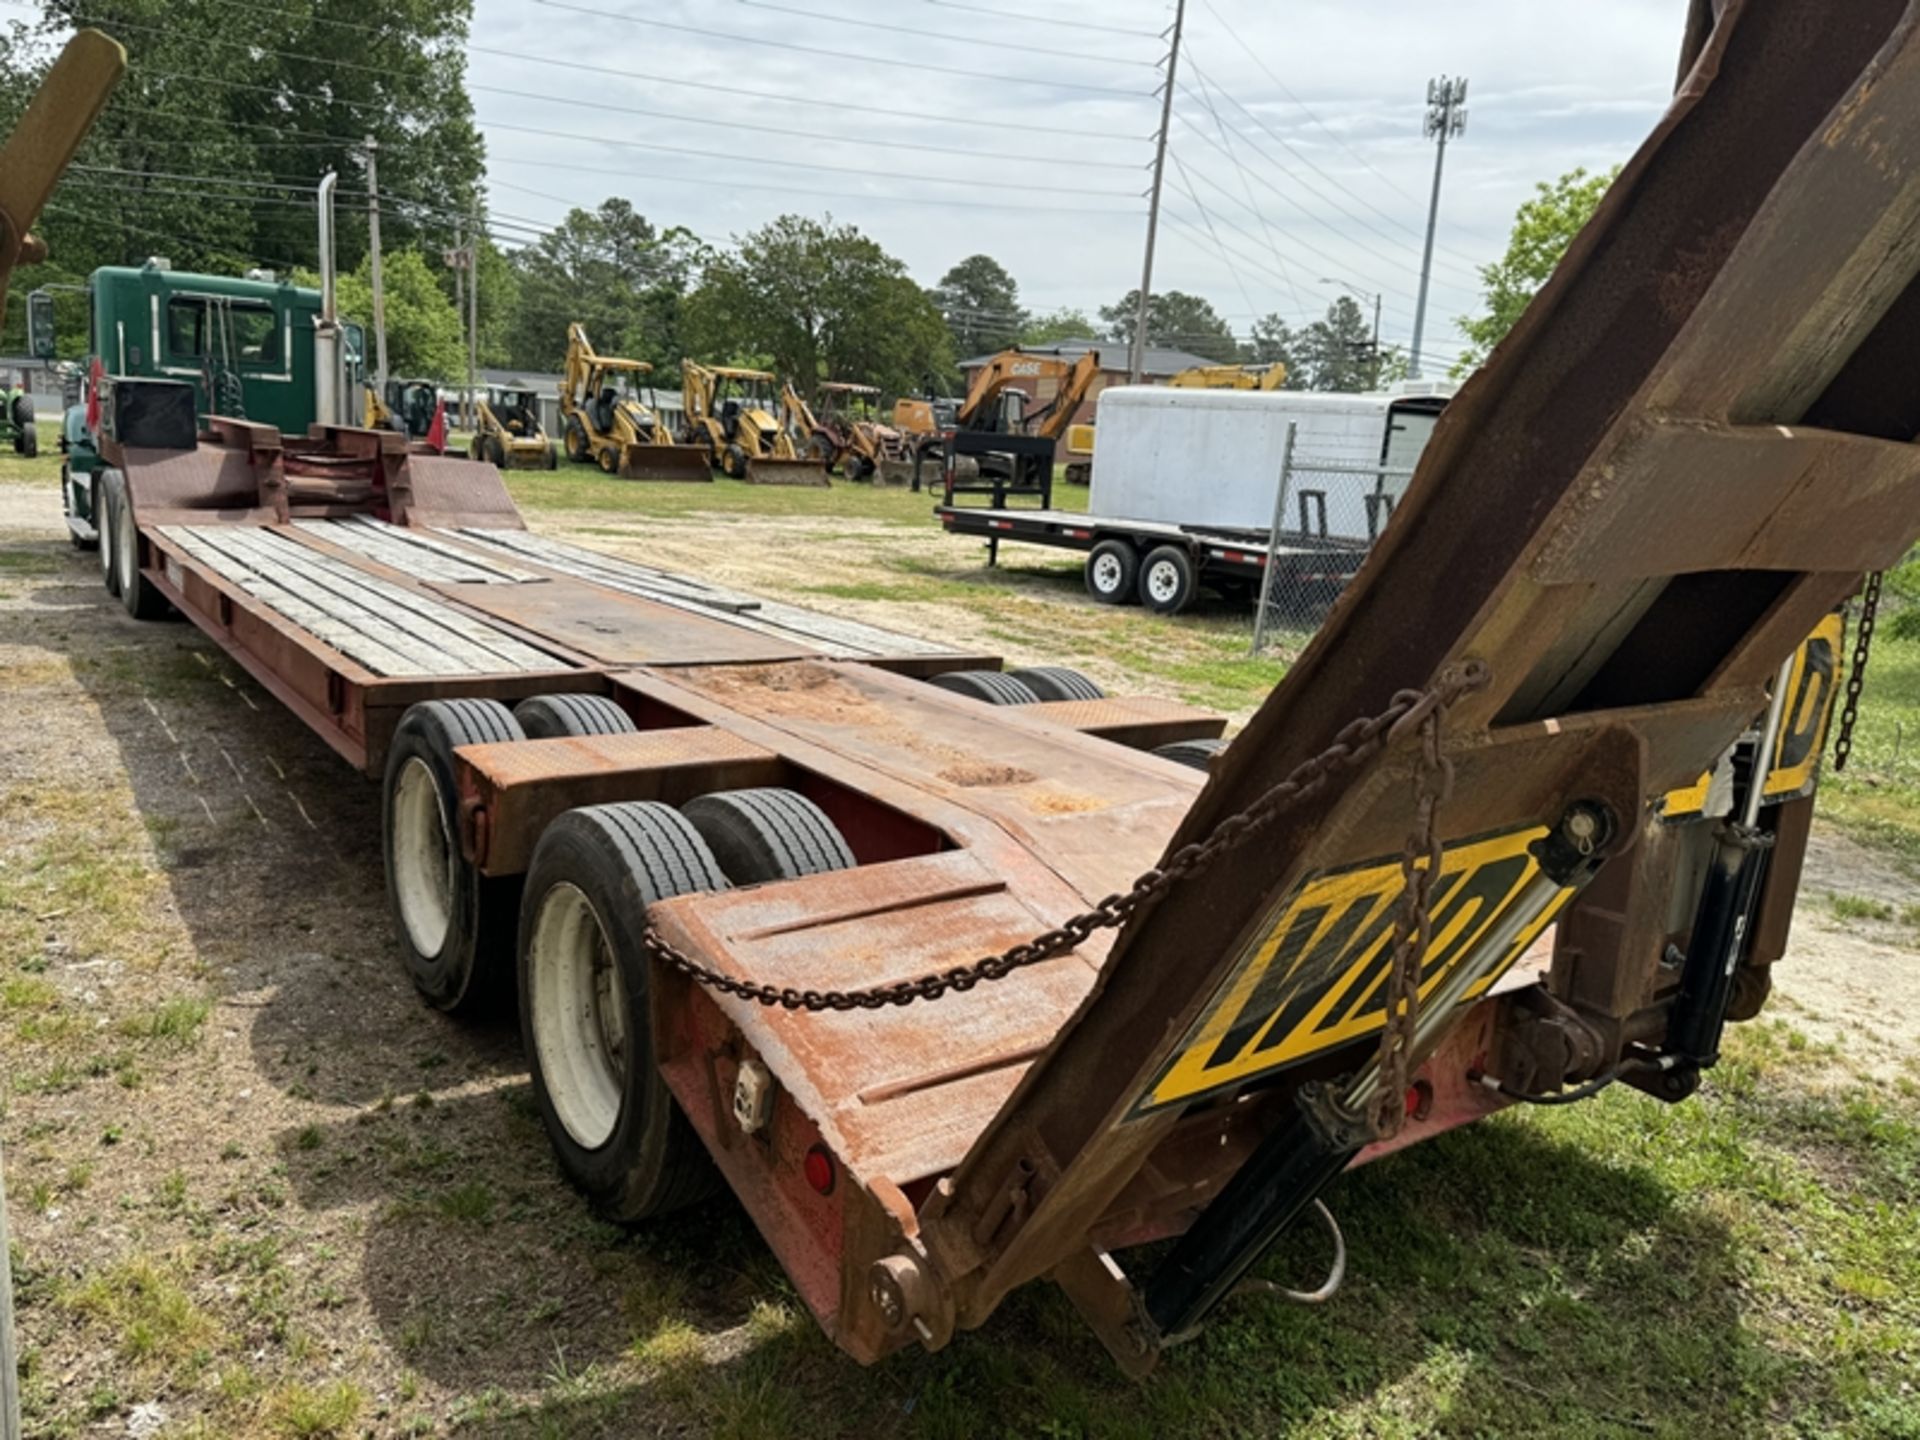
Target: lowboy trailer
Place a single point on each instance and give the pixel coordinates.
(956, 995)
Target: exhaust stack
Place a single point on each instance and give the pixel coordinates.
(329, 353)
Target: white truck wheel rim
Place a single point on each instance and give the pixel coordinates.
(126, 547)
(579, 1004)
(423, 858)
(1106, 573)
(1163, 582)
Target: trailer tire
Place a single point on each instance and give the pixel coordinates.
(454, 924)
(137, 593)
(1113, 573)
(103, 524)
(547, 717)
(1199, 754)
(578, 451)
(1167, 580)
(586, 1005)
(768, 834)
(992, 686)
(1057, 682)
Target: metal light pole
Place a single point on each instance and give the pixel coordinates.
(1136, 353)
(1446, 118)
(1375, 297)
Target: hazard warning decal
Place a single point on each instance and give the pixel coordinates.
(1316, 979)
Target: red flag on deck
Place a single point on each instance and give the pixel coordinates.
(437, 432)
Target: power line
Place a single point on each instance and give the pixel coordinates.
(892, 62)
(1307, 160)
(919, 34)
(1232, 269)
(1042, 19)
(815, 194)
(1246, 185)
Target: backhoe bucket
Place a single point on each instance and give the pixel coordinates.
(787, 472)
(686, 463)
(893, 472)
(530, 455)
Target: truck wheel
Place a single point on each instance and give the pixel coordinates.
(455, 924)
(1200, 754)
(1166, 580)
(768, 834)
(137, 593)
(1113, 573)
(103, 526)
(66, 505)
(1057, 682)
(992, 686)
(545, 717)
(586, 1004)
(734, 462)
(578, 450)
(29, 442)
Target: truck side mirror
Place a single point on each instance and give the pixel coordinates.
(40, 336)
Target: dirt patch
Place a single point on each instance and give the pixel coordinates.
(977, 775)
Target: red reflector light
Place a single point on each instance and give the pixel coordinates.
(820, 1169)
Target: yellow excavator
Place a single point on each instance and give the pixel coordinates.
(507, 430)
(741, 420)
(1012, 443)
(1231, 377)
(846, 432)
(617, 431)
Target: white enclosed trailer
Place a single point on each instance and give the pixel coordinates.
(1185, 484)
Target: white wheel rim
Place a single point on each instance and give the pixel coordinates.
(579, 1003)
(126, 547)
(1163, 582)
(102, 526)
(423, 858)
(1106, 572)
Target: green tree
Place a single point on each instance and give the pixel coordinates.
(981, 302)
(1543, 227)
(1273, 341)
(1336, 351)
(815, 301)
(1057, 325)
(228, 115)
(611, 270)
(426, 336)
(1177, 320)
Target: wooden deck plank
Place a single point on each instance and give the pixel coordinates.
(413, 551)
(475, 642)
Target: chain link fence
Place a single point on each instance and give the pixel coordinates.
(1327, 513)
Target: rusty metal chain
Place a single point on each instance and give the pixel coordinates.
(1357, 741)
(1857, 671)
(1412, 928)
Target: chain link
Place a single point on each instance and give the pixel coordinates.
(1412, 929)
(1857, 672)
(1357, 741)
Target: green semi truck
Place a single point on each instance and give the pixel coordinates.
(246, 346)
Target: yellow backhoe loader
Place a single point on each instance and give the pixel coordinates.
(507, 431)
(618, 432)
(847, 433)
(739, 417)
(1231, 377)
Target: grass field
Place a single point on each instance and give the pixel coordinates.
(256, 1185)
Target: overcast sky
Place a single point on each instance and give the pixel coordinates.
(1297, 130)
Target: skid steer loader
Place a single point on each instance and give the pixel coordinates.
(614, 431)
(738, 416)
(507, 431)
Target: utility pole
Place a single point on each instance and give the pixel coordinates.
(1446, 118)
(457, 259)
(373, 257)
(1137, 352)
(1375, 296)
(473, 314)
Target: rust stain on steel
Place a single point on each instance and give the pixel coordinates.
(619, 629)
(521, 786)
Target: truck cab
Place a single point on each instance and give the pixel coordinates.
(245, 346)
